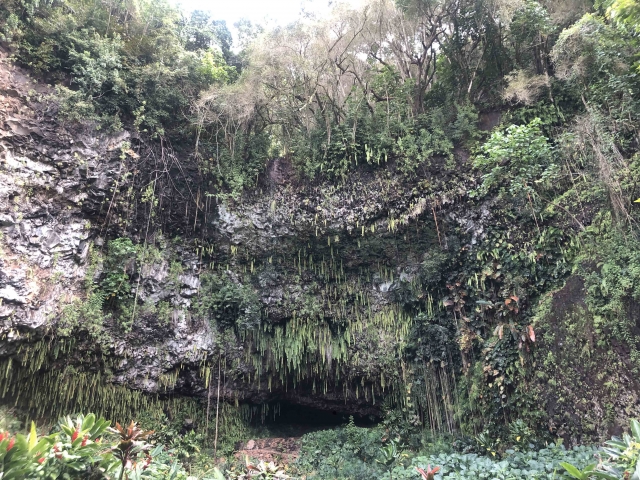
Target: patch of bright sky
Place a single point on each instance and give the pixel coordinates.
(268, 13)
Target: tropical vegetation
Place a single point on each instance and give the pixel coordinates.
(468, 167)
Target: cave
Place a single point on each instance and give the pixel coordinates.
(418, 217)
(292, 419)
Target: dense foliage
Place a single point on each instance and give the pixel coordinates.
(358, 453)
(85, 447)
(141, 63)
(512, 127)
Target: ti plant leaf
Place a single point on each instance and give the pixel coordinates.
(578, 474)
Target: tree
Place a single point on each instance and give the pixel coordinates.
(406, 37)
(626, 12)
(475, 46)
(201, 32)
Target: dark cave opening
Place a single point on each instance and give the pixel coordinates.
(291, 419)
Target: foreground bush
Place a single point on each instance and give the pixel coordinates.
(353, 453)
(342, 453)
(619, 459)
(85, 448)
(542, 464)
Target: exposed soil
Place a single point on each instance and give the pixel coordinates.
(271, 449)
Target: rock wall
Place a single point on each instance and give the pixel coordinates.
(53, 184)
(348, 296)
(330, 257)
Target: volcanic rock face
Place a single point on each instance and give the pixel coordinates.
(331, 258)
(53, 185)
(121, 264)
(45, 234)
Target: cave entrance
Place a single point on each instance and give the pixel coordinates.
(293, 420)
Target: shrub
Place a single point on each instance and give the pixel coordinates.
(517, 162)
(343, 453)
(541, 464)
(354, 453)
(121, 253)
(622, 455)
(85, 448)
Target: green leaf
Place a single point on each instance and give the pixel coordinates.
(43, 444)
(16, 472)
(88, 422)
(66, 429)
(33, 436)
(635, 429)
(606, 476)
(99, 428)
(616, 443)
(573, 471)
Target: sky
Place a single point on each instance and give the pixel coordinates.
(264, 12)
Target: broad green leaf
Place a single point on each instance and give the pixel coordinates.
(43, 444)
(88, 422)
(16, 472)
(21, 443)
(616, 443)
(99, 428)
(573, 471)
(606, 476)
(635, 429)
